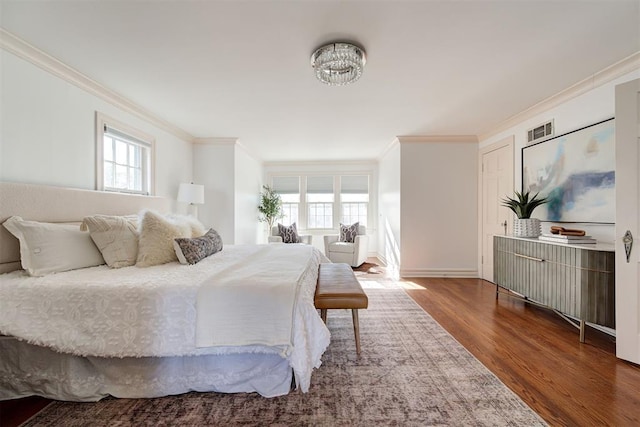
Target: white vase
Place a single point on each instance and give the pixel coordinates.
(526, 227)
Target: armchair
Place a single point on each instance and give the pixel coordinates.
(353, 254)
(275, 237)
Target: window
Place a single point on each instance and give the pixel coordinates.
(125, 158)
(288, 187)
(354, 199)
(320, 200)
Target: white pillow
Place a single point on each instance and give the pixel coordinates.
(50, 248)
(156, 235)
(115, 236)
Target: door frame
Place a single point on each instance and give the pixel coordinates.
(627, 109)
(508, 141)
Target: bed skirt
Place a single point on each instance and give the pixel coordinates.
(27, 370)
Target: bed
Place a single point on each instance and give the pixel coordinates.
(134, 332)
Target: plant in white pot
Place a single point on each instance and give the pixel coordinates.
(270, 207)
(523, 206)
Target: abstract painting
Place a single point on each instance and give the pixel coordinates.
(576, 171)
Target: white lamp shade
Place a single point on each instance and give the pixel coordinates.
(191, 193)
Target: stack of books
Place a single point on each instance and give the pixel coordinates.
(570, 240)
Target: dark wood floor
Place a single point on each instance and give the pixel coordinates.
(536, 353)
(532, 350)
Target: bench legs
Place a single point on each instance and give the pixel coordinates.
(356, 328)
(356, 325)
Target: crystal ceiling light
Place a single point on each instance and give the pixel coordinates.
(339, 63)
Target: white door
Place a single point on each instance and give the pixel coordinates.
(496, 182)
(627, 218)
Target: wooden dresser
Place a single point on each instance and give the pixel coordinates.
(576, 281)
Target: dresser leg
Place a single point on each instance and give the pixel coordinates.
(581, 330)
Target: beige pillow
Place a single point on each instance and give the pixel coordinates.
(51, 248)
(115, 236)
(156, 235)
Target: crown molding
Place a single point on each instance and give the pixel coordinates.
(18, 47)
(627, 65)
(217, 141)
(228, 142)
(436, 138)
(388, 149)
(309, 163)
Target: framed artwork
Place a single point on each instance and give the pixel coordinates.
(576, 171)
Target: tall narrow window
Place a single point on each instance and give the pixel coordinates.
(320, 200)
(125, 158)
(288, 187)
(354, 199)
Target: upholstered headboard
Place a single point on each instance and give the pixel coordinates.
(57, 204)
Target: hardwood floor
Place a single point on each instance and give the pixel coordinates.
(532, 350)
(536, 353)
(15, 412)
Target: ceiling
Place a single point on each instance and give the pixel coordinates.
(241, 68)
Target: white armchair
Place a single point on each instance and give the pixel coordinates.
(276, 238)
(353, 254)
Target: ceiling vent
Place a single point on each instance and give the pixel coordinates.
(541, 132)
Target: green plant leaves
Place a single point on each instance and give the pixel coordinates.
(522, 205)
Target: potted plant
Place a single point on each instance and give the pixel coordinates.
(523, 206)
(270, 206)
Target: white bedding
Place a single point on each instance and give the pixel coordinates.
(140, 312)
(253, 303)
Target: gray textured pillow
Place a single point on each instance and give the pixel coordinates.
(289, 233)
(348, 233)
(191, 251)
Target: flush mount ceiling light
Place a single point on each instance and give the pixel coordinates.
(339, 63)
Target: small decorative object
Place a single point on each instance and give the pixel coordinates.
(567, 231)
(270, 206)
(523, 206)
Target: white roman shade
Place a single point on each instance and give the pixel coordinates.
(354, 184)
(286, 184)
(320, 185)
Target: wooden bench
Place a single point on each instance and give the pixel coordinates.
(338, 288)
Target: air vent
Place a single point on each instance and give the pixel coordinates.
(539, 133)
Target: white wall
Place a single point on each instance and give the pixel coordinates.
(591, 107)
(389, 209)
(48, 132)
(439, 209)
(213, 167)
(248, 184)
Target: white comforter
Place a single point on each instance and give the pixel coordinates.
(253, 303)
(137, 312)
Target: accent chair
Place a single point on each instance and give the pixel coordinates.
(353, 254)
(276, 238)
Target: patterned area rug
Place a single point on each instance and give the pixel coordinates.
(411, 372)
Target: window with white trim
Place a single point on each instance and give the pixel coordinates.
(320, 200)
(288, 187)
(354, 199)
(124, 158)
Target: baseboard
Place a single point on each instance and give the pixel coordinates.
(439, 272)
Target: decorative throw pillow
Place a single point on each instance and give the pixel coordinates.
(115, 236)
(191, 251)
(51, 248)
(289, 233)
(157, 232)
(348, 233)
(197, 228)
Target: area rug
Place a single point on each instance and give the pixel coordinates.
(411, 373)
